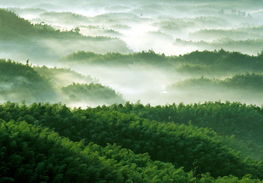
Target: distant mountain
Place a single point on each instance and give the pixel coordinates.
(41, 42)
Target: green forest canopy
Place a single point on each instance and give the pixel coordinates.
(198, 149)
(30, 153)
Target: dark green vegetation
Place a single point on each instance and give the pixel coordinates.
(196, 149)
(34, 154)
(244, 122)
(93, 93)
(30, 153)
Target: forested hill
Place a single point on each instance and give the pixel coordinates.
(198, 62)
(131, 91)
(195, 149)
(242, 82)
(9, 23)
(28, 84)
(244, 122)
(30, 153)
(14, 27)
(19, 38)
(22, 83)
(92, 93)
(34, 154)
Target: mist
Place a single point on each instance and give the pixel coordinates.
(169, 29)
(138, 23)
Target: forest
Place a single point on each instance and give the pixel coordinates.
(188, 152)
(131, 92)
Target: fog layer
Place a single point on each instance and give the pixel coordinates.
(141, 50)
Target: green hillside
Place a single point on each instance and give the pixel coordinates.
(22, 83)
(12, 25)
(148, 57)
(252, 83)
(92, 93)
(198, 62)
(61, 77)
(34, 154)
(244, 122)
(201, 150)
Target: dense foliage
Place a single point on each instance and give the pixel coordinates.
(195, 149)
(34, 154)
(244, 122)
(241, 120)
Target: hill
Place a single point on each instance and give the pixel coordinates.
(242, 121)
(48, 43)
(91, 93)
(197, 149)
(34, 154)
(61, 77)
(195, 63)
(22, 83)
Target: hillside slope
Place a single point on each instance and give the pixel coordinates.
(184, 146)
